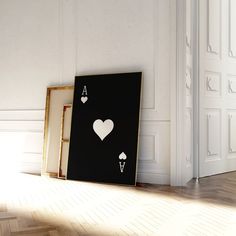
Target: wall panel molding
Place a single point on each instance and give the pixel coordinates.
(156, 136)
(151, 108)
(22, 115)
(160, 63)
(22, 126)
(148, 150)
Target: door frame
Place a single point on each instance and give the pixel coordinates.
(196, 96)
(178, 83)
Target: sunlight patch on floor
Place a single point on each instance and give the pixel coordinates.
(106, 209)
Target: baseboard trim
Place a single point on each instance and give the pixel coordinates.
(153, 178)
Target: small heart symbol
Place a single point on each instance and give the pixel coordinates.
(122, 156)
(102, 129)
(84, 99)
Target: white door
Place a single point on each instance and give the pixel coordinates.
(217, 86)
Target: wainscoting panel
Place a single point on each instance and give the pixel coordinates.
(147, 152)
(21, 140)
(31, 163)
(154, 137)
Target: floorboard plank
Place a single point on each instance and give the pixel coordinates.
(39, 206)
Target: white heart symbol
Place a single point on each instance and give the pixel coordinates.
(102, 129)
(122, 156)
(84, 99)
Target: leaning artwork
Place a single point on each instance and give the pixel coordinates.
(104, 131)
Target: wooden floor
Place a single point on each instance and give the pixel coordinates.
(33, 205)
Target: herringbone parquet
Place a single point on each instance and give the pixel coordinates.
(40, 206)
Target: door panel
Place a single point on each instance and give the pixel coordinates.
(217, 86)
(213, 135)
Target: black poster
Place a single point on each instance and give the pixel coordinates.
(104, 130)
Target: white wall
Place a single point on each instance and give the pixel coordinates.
(46, 43)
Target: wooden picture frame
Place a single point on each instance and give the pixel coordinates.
(56, 98)
(64, 140)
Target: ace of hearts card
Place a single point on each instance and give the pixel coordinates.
(104, 129)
